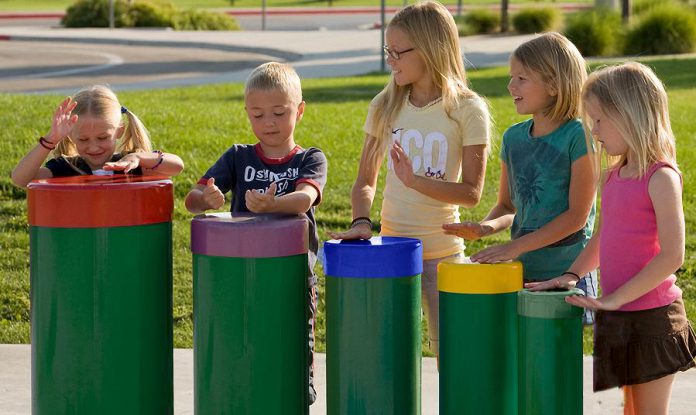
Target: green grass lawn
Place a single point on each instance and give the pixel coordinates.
(60, 5)
(199, 123)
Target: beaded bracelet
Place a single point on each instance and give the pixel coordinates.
(573, 274)
(46, 144)
(361, 220)
(159, 160)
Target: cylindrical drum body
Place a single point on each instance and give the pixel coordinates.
(550, 353)
(478, 337)
(373, 326)
(250, 333)
(101, 295)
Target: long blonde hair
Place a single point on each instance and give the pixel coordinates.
(431, 28)
(561, 67)
(100, 101)
(635, 100)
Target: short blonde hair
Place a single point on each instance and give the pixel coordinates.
(275, 76)
(635, 100)
(559, 64)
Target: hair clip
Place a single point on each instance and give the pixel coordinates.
(123, 109)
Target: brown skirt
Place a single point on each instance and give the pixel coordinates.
(633, 347)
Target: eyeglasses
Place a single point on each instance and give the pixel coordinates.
(396, 55)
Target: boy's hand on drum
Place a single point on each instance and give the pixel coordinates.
(63, 121)
(497, 253)
(359, 231)
(470, 231)
(212, 196)
(258, 202)
(402, 165)
(126, 164)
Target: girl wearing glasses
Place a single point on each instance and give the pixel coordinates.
(436, 131)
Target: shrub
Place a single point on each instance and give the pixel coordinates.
(481, 21)
(200, 20)
(95, 13)
(663, 30)
(642, 6)
(536, 20)
(143, 14)
(596, 32)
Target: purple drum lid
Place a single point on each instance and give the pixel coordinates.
(249, 235)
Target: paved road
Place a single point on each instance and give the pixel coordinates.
(46, 59)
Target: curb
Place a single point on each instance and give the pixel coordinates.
(290, 11)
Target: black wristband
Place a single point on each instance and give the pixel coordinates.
(46, 144)
(573, 274)
(359, 220)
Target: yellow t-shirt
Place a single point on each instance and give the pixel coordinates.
(434, 144)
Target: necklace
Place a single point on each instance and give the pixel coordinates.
(428, 105)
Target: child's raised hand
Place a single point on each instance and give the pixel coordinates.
(498, 253)
(402, 165)
(63, 121)
(258, 202)
(470, 231)
(212, 196)
(126, 164)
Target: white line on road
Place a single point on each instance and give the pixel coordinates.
(111, 61)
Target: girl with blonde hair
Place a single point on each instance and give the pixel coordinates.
(84, 138)
(642, 334)
(436, 131)
(547, 190)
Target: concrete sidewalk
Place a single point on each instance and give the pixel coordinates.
(15, 386)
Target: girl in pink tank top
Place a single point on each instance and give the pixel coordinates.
(642, 335)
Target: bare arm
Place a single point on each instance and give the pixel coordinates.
(204, 197)
(364, 188)
(503, 213)
(466, 193)
(29, 167)
(171, 164)
(581, 195)
(498, 219)
(666, 195)
(299, 201)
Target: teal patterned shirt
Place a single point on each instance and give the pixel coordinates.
(539, 181)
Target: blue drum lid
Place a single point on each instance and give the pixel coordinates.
(377, 257)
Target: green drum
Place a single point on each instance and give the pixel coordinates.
(373, 328)
(478, 337)
(250, 314)
(550, 354)
(101, 295)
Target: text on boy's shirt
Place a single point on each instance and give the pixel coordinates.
(282, 179)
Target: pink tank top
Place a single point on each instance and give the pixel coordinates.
(628, 239)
